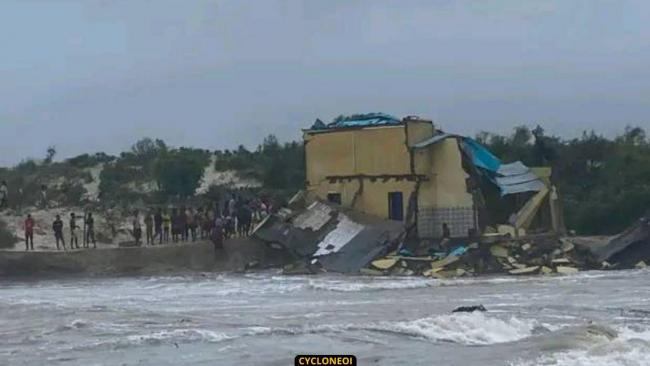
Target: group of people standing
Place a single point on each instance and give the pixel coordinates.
(88, 231)
(234, 217)
(181, 224)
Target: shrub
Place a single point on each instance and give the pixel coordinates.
(7, 238)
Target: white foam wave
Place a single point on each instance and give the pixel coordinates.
(178, 336)
(468, 329)
(630, 348)
(370, 285)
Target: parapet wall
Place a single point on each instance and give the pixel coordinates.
(136, 260)
(237, 255)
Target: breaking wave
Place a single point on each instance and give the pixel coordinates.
(630, 348)
(178, 336)
(467, 329)
(371, 285)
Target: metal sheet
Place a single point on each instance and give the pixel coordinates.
(314, 218)
(336, 239)
(358, 252)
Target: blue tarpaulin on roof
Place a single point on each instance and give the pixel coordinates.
(361, 120)
(510, 178)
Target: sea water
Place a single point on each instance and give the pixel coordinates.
(267, 319)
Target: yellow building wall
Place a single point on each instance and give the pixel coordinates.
(384, 151)
(449, 175)
(329, 154)
(444, 198)
(368, 151)
(381, 150)
(418, 131)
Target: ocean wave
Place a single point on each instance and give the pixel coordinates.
(467, 329)
(630, 348)
(177, 336)
(370, 285)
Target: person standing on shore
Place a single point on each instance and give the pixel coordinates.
(198, 219)
(4, 195)
(167, 225)
(43, 200)
(218, 233)
(176, 225)
(29, 233)
(158, 223)
(74, 239)
(57, 227)
(191, 223)
(185, 230)
(90, 231)
(148, 226)
(137, 228)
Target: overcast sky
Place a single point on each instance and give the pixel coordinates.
(92, 76)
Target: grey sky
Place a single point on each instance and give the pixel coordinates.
(92, 76)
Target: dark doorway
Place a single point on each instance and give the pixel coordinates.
(334, 198)
(395, 206)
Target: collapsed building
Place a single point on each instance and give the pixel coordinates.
(378, 185)
(409, 171)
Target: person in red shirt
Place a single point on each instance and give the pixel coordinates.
(29, 233)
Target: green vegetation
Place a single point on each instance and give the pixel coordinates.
(604, 183)
(279, 167)
(7, 238)
(179, 172)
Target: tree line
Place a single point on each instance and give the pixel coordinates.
(604, 182)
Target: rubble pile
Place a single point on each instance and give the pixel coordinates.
(490, 254)
(325, 238)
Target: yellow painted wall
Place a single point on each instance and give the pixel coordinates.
(448, 175)
(384, 150)
(418, 131)
(369, 151)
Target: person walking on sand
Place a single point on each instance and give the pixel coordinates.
(158, 226)
(148, 226)
(137, 228)
(74, 239)
(57, 227)
(90, 231)
(29, 233)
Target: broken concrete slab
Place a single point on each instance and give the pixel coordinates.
(371, 272)
(499, 251)
(561, 261)
(567, 246)
(444, 262)
(384, 264)
(628, 247)
(524, 271)
(566, 270)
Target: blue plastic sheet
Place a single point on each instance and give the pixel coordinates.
(365, 120)
(510, 178)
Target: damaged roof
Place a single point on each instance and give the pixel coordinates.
(358, 120)
(510, 178)
(340, 242)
